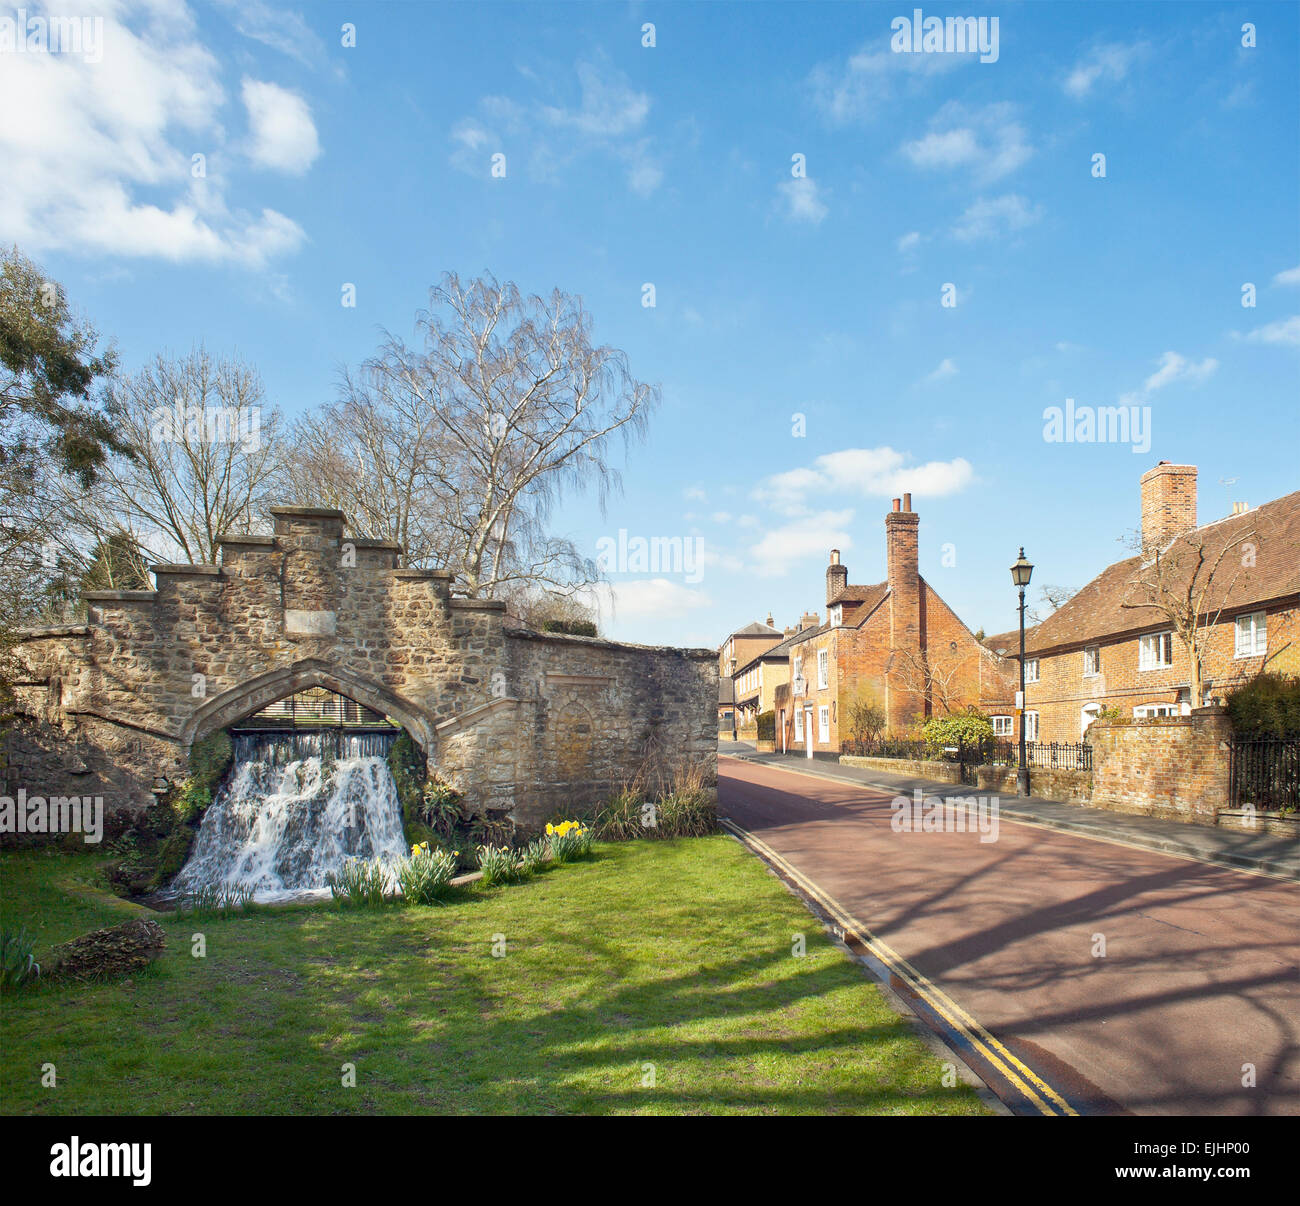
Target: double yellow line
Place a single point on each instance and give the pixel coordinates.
(1026, 1081)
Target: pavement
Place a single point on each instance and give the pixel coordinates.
(1271, 853)
(1074, 972)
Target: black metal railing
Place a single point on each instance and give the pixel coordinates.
(315, 708)
(1265, 772)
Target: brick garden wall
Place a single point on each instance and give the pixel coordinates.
(1173, 766)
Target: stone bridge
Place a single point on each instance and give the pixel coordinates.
(520, 721)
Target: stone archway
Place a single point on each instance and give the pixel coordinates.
(251, 696)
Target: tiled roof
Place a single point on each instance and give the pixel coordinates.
(726, 691)
(859, 594)
(1099, 611)
(1007, 642)
(756, 629)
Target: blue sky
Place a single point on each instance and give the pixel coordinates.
(775, 295)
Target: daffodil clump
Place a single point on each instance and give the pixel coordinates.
(568, 840)
(499, 864)
(425, 876)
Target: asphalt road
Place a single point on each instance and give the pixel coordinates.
(1199, 983)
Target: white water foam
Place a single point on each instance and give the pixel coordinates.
(289, 814)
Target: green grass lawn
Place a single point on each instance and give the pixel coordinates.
(671, 954)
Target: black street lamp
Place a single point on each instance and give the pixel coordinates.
(1020, 575)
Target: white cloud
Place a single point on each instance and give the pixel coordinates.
(1105, 64)
(859, 88)
(282, 133)
(947, 367)
(607, 119)
(1285, 331)
(989, 217)
(908, 241)
(867, 472)
(1172, 367)
(92, 141)
(280, 29)
(608, 107)
(695, 492)
(803, 201)
(990, 142)
(1288, 276)
(646, 598)
(721, 517)
(799, 540)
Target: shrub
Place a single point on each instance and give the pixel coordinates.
(499, 864)
(684, 814)
(171, 854)
(767, 726)
(426, 875)
(440, 807)
(569, 840)
(626, 815)
(1267, 706)
(532, 856)
(215, 900)
(970, 728)
(570, 627)
(359, 883)
(18, 964)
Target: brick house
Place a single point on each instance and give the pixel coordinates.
(761, 680)
(737, 651)
(1107, 648)
(895, 643)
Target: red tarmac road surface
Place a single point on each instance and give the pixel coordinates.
(1202, 967)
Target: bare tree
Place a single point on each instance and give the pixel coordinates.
(503, 406)
(1050, 599)
(206, 455)
(934, 680)
(1188, 584)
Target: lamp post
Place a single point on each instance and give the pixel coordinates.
(1020, 575)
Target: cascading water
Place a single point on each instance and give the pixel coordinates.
(293, 807)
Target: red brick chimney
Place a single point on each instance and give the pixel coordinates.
(1168, 504)
(837, 577)
(904, 581)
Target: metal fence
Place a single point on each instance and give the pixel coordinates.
(1046, 755)
(1265, 772)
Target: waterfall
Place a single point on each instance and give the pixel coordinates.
(292, 808)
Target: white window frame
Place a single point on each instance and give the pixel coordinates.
(1151, 649)
(1031, 670)
(837, 615)
(1093, 651)
(823, 669)
(824, 724)
(798, 724)
(1256, 643)
(1148, 711)
(1030, 721)
(1003, 726)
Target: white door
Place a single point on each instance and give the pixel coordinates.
(1088, 715)
(783, 730)
(808, 731)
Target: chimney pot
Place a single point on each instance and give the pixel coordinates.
(907, 502)
(896, 504)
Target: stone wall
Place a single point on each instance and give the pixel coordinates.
(520, 722)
